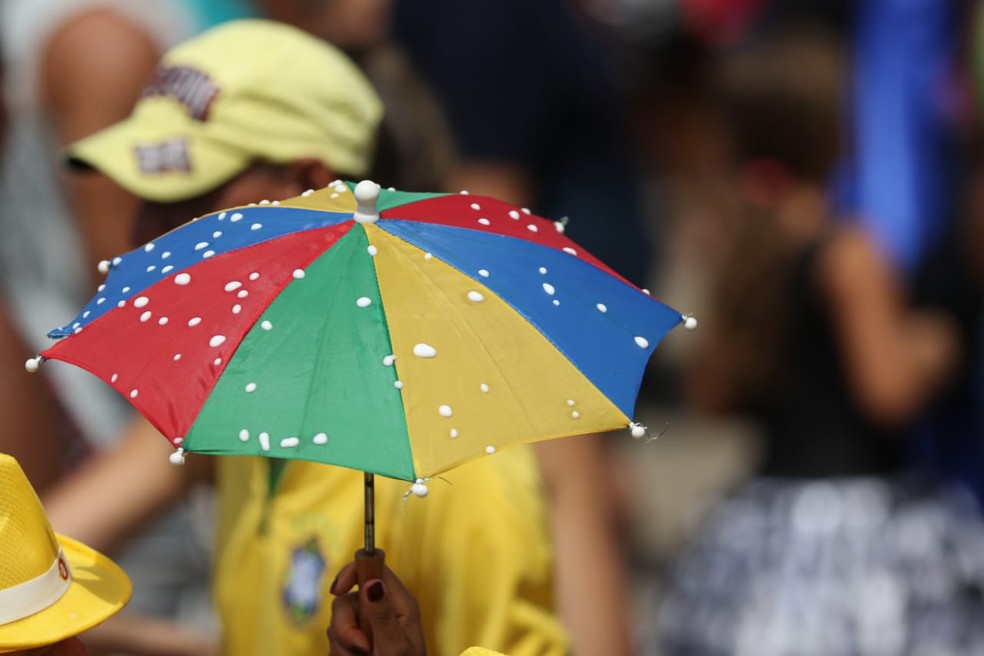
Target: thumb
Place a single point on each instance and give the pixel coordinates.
(387, 634)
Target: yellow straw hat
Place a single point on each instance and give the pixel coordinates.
(245, 91)
(51, 587)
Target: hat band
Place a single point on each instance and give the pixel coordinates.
(29, 597)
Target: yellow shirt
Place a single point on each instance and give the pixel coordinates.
(475, 553)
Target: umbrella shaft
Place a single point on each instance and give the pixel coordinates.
(370, 514)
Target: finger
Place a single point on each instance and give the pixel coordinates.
(345, 580)
(403, 603)
(345, 638)
(388, 633)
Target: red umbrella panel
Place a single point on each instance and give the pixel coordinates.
(400, 334)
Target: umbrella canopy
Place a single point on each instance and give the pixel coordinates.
(395, 333)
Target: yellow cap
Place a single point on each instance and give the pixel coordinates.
(51, 587)
(242, 92)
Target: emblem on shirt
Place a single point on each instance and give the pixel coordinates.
(303, 590)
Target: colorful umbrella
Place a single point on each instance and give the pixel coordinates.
(398, 334)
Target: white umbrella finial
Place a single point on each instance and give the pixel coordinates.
(367, 195)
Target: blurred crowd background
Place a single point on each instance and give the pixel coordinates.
(705, 149)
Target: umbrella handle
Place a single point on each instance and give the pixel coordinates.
(368, 566)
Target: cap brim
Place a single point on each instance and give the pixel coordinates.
(114, 152)
(99, 589)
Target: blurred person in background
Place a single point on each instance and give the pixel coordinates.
(73, 67)
(477, 555)
(833, 547)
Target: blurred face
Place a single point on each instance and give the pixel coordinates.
(70, 647)
(259, 182)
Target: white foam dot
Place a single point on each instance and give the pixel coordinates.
(556, 302)
(177, 356)
(525, 210)
(490, 449)
(602, 307)
(121, 304)
(388, 360)
(428, 256)
(235, 217)
(167, 269)
(244, 435)
(547, 287)
(298, 274)
(217, 361)
(570, 402)
(266, 325)
(217, 340)
(424, 351)
(645, 291)
(250, 388)
(149, 247)
(265, 441)
(200, 245)
(114, 378)
(101, 287)
(320, 438)
(125, 290)
(642, 342)
(307, 193)
(117, 260)
(543, 270)
(134, 393)
(398, 384)
(222, 215)
(454, 433)
(100, 301)
(242, 293)
(532, 228)
(233, 286)
(475, 297)
(182, 279)
(145, 316)
(254, 276)
(569, 250)
(575, 414)
(513, 214)
(256, 226)
(372, 250)
(445, 411)
(151, 268)
(237, 308)
(483, 272)
(86, 314)
(289, 442)
(216, 234)
(194, 321)
(363, 301)
(485, 222)
(207, 254)
(162, 321)
(475, 206)
(484, 388)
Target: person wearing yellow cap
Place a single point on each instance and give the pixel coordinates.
(51, 587)
(255, 110)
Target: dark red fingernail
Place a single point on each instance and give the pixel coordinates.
(359, 651)
(331, 588)
(375, 591)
